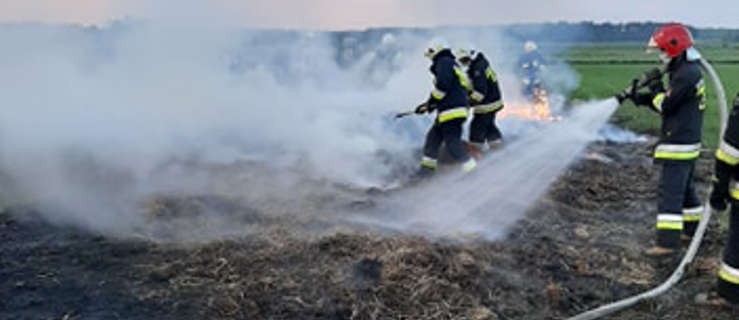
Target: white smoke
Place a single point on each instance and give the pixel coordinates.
(89, 115)
(507, 183)
(612, 133)
(95, 121)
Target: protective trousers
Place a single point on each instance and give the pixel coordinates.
(450, 133)
(679, 206)
(728, 276)
(483, 128)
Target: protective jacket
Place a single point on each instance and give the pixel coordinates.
(449, 96)
(530, 65)
(486, 95)
(725, 188)
(681, 107)
(727, 157)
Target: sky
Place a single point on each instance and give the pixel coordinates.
(359, 14)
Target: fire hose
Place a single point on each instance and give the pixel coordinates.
(694, 244)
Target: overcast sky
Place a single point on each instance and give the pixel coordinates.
(354, 14)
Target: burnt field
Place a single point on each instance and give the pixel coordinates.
(579, 247)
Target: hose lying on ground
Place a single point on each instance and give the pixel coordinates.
(697, 238)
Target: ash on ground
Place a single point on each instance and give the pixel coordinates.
(579, 247)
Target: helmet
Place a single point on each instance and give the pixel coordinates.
(434, 47)
(464, 56)
(530, 46)
(672, 39)
(461, 53)
(432, 51)
(388, 39)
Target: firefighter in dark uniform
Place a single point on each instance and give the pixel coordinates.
(727, 172)
(449, 100)
(485, 99)
(681, 107)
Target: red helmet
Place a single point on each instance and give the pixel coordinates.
(673, 39)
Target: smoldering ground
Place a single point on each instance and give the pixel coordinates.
(99, 123)
(508, 182)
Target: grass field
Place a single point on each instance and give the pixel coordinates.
(635, 53)
(607, 69)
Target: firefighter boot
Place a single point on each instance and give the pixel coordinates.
(495, 144)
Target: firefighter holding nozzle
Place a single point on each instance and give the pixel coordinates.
(680, 105)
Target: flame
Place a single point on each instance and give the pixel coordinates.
(536, 110)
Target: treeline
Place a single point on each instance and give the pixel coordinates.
(608, 32)
(559, 32)
(580, 32)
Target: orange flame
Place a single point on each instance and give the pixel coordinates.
(538, 110)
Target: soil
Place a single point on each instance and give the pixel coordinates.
(579, 247)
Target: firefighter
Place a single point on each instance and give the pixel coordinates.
(449, 100)
(530, 66)
(681, 107)
(383, 61)
(727, 159)
(485, 99)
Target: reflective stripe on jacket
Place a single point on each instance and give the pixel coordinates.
(727, 159)
(666, 151)
(681, 106)
(450, 83)
(486, 96)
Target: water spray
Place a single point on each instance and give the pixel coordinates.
(697, 239)
(504, 186)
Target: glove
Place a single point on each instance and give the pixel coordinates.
(623, 96)
(652, 80)
(425, 107)
(656, 85)
(628, 93)
(653, 73)
(431, 105)
(643, 99)
(718, 202)
(650, 76)
(422, 108)
(736, 101)
(476, 96)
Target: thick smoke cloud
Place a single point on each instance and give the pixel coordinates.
(98, 121)
(89, 116)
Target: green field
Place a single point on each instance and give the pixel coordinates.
(607, 69)
(635, 53)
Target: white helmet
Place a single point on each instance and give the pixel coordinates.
(388, 39)
(465, 55)
(434, 47)
(530, 46)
